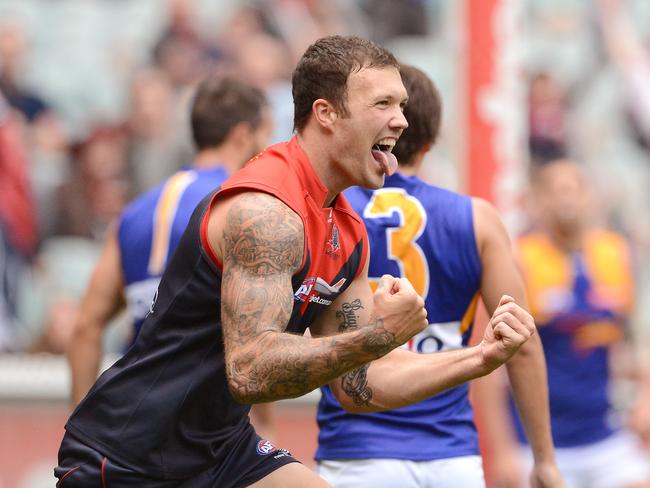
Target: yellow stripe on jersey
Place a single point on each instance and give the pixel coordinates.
(608, 257)
(468, 318)
(547, 274)
(164, 219)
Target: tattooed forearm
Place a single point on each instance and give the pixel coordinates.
(279, 365)
(381, 341)
(355, 385)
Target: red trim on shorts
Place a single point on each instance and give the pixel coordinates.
(103, 479)
(60, 483)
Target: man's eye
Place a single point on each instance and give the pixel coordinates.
(382, 103)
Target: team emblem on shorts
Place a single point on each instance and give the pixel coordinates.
(265, 447)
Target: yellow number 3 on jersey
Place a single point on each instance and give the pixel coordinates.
(402, 247)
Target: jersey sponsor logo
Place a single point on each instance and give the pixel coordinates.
(317, 290)
(264, 447)
(282, 453)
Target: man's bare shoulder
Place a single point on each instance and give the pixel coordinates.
(257, 231)
(488, 226)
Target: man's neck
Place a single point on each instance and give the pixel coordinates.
(568, 240)
(319, 158)
(218, 157)
(408, 170)
(413, 168)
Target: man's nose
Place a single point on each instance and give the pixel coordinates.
(399, 121)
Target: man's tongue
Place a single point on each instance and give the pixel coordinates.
(387, 160)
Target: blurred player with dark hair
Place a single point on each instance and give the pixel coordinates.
(454, 249)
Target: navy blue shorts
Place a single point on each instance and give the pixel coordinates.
(248, 462)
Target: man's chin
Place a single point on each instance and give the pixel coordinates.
(373, 183)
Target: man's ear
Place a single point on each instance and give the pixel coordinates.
(240, 133)
(425, 148)
(324, 113)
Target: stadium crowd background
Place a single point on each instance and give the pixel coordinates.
(93, 110)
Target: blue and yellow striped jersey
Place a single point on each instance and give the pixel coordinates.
(425, 234)
(580, 302)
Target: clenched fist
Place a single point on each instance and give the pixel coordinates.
(509, 328)
(400, 308)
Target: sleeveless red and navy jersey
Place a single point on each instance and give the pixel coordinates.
(165, 408)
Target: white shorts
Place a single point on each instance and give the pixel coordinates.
(615, 462)
(464, 471)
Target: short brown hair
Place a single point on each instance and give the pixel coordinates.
(423, 112)
(219, 105)
(323, 72)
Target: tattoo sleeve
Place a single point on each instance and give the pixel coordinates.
(262, 247)
(354, 383)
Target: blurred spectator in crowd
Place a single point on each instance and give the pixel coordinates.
(631, 58)
(180, 50)
(18, 233)
(395, 18)
(580, 285)
(157, 122)
(157, 141)
(264, 61)
(59, 325)
(301, 22)
(12, 59)
(97, 189)
(626, 42)
(547, 136)
(45, 139)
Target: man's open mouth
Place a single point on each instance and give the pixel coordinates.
(382, 152)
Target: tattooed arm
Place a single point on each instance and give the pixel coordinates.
(401, 377)
(260, 242)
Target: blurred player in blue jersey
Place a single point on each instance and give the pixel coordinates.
(231, 122)
(580, 284)
(454, 249)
